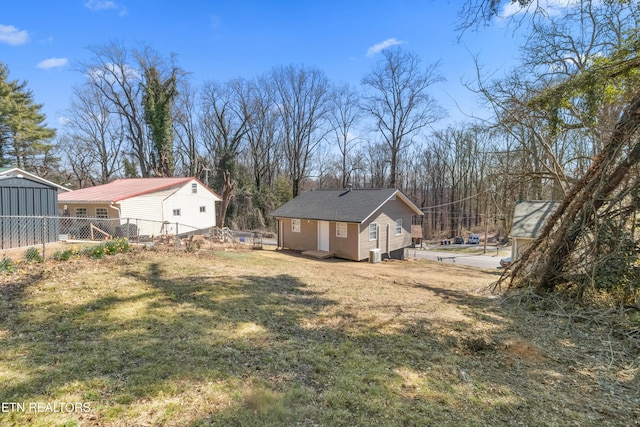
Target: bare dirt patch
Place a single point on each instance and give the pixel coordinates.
(241, 337)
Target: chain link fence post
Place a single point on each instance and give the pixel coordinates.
(177, 239)
(44, 237)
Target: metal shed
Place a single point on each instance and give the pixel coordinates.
(28, 209)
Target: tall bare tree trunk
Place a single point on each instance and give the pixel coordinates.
(228, 188)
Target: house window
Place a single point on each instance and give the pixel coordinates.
(101, 213)
(203, 209)
(341, 229)
(373, 231)
(398, 227)
(176, 212)
(194, 188)
(295, 225)
(81, 212)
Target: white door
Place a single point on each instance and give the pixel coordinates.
(323, 236)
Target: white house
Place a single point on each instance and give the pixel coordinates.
(154, 205)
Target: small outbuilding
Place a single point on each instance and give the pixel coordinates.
(28, 207)
(146, 206)
(528, 219)
(348, 223)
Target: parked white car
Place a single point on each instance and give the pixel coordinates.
(474, 239)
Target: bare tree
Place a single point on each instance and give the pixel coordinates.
(263, 134)
(224, 124)
(476, 13)
(399, 102)
(344, 116)
(302, 98)
(377, 155)
(115, 75)
(98, 132)
(79, 160)
(185, 123)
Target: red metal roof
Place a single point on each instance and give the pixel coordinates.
(122, 189)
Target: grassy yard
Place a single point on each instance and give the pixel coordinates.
(244, 338)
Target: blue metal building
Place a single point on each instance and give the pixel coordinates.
(28, 209)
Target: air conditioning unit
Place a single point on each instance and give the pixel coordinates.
(374, 256)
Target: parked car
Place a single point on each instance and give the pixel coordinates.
(474, 239)
(505, 262)
(458, 241)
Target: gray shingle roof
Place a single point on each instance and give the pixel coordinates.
(339, 205)
(529, 217)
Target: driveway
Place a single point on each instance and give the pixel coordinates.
(488, 260)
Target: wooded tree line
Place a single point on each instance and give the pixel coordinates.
(564, 128)
(258, 142)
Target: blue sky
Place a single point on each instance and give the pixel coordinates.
(41, 41)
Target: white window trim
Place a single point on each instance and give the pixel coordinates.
(105, 213)
(373, 224)
(398, 225)
(295, 225)
(345, 227)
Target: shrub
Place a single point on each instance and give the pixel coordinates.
(33, 255)
(65, 255)
(7, 266)
(97, 252)
(115, 246)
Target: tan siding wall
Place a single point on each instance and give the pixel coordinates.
(305, 240)
(91, 209)
(386, 217)
(344, 247)
(79, 229)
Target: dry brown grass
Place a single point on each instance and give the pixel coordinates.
(267, 338)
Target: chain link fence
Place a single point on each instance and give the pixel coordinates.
(19, 231)
(26, 231)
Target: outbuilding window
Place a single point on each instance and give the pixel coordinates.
(176, 212)
(295, 225)
(341, 229)
(102, 213)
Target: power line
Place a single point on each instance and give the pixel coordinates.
(456, 201)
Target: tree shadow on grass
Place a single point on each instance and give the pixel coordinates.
(126, 348)
(283, 360)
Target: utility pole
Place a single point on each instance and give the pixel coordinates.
(486, 229)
